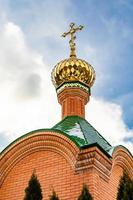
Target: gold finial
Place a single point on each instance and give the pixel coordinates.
(71, 32)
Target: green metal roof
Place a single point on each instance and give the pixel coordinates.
(78, 130)
(82, 132)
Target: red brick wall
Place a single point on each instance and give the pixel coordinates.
(53, 171)
(107, 188)
(117, 172)
(59, 164)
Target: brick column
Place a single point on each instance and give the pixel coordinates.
(73, 101)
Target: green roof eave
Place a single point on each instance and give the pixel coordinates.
(76, 140)
(77, 130)
(98, 146)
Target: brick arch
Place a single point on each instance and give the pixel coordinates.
(123, 158)
(39, 141)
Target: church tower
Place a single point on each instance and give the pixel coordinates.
(72, 152)
(73, 78)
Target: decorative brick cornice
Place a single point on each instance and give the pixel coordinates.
(93, 157)
(124, 159)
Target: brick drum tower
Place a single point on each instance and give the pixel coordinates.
(70, 153)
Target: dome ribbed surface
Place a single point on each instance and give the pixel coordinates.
(71, 70)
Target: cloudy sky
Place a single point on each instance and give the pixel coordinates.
(30, 46)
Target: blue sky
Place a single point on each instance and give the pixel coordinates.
(31, 45)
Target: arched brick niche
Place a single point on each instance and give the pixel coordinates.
(52, 169)
(121, 160)
(36, 142)
(52, 155)
(58, 162)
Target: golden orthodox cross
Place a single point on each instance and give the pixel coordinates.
(71, 32)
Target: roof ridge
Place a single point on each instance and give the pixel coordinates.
(98, 133)
(82, 132)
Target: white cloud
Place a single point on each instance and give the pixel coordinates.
(24, 84)
(18, 62)
(107, 118)
(14, 53)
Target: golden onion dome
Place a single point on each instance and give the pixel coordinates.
(73, 69)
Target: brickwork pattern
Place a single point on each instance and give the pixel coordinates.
(73, 101)
(59, 164)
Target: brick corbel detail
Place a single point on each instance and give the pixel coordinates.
(93, 158)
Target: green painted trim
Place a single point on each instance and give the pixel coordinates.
(40, 130)
(73, 84)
